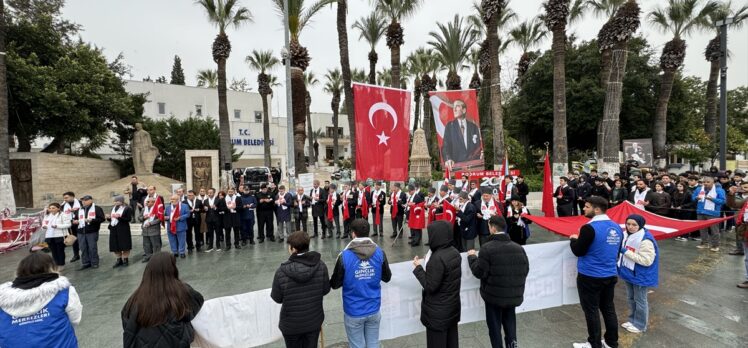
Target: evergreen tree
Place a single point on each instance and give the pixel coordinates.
(177, 74)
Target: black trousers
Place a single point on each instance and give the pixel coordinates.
(596, 296)
(347, 225)
(76, 247)
(193, 230)
(321, 220)
(213, 232)
(305, 340)
(397, 225)
(442, 339)
(237, 235)
(265, 226)
(300, 223)
(564, 209)
(248, 227)
(498, 317)
(57, 247)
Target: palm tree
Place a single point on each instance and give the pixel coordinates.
(712, 54)
(299, 17)
(263, 62)
(372, 29)
(310, 80)
(680, 18)
(207, 78)
(605, 40)
(345, 67)
(384, 78)
(506, 17)
(359, 75)
(416, 64)
(527, 35)
(396, 11)
(334, 85)
(490, 14)
(223, 14)
(556, 17)
(452, 45)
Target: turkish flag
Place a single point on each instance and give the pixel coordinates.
(382, 117)
(448, 213)
(547, 205)
(417, 217)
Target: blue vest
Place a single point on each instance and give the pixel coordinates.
(602, 256)
(50, 327)
(362, 289)
(643, 275)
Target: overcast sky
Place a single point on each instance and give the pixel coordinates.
(151, 32)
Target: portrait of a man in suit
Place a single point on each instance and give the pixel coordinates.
(462, 141)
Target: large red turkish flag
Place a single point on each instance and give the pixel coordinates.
(382, 136)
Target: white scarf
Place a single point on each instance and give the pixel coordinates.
(639, 198)
(472, 193)
(315, 195)
(301, 203)
(375, 197)
(147, 215)
(49, 220)
(282, 201)
(509, 188)
(231, 203)
(520, 222)
(192, 203)
(360, 197)
(462, 209)
(82, 217)
(211, 201)
(116, 213)
(708, 204)
(70, 208)
(631, 242)
(485, 209)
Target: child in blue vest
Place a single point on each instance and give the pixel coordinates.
(638, 266)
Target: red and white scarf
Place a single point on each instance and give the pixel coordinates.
(330, 205)
(116, 214)
(82, 216)
(487, 209)
(394, 199)
(149, 215)
(346, 213)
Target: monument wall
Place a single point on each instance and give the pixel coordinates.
(41, 178)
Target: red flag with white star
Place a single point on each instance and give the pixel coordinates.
(382, 117)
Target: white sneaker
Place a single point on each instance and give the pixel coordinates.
(626, 325)
(715, 249)
(582, 345)
(702, 246)
(605, 345)
(633, 329)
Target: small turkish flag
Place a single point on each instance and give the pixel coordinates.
(448, 213)
(382, 117)
(417, 217)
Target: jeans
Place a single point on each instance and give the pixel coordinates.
(89, 248)
(596, 296)
(151, 245)
(709, 235)
(363, 332)
(248, 229)
(496, 317)
(57, 247)
(305, 340)
(178, 242)
(638, 306)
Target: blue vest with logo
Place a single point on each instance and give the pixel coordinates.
(643, 275)
(362, 289)
(602, 256)
(50, 327)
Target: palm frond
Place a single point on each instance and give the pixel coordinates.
(371, 27)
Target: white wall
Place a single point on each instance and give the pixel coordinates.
(323, 120)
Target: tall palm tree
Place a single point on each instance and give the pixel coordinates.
(6, 190)
(384, 78)
(506, 17)
(396, 11)
(712, 54)
(416, 64)
(372, 29)
(605, 9)
(299, 16)
(490, 14)
(345, 67)
(334, 85)
(614, 38)
(452, 44)
(527, 35)
(207, 78)
(680, 18)
(359, 75)
(556, 16)
(263, 62)
(310, 80)
(224, 14)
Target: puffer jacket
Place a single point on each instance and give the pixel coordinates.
(440, 308)
(502, 268)
(300, 285)
(174, 333)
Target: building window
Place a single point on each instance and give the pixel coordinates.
(330, 132)
(237, 113)
(162, 108)
(329, 154)
(198, 110)
(258, 116)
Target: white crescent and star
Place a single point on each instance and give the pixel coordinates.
(451, 215)
(390, 111)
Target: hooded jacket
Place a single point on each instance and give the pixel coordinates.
(360, 269)
(502, 268)
(440, 308)
(41, 316)
(300, 285)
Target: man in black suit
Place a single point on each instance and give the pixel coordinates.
(212, 219)
(462, 140)
(193, 222)
(397, 202)
(564, 198)
(319, 197)
(301, 204)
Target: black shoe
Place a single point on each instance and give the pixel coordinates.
(145, 260)
(189, 250)
(251, 242)
(314, 235)
(280, 240)
(261, 240)
(734, 252)
(237, 246)
(228, 247)
(272, 239)
(118, 263)
(415, 243)
(84, 267)
(323, 236)
(198, 249)
(95, 266)
(75, 258)
(393, 236)
(182, 256)
(176, 255)
(244, 243)
(126, 262)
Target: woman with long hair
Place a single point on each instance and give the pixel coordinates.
(55, 226)
(39, 307)
(618, 194)
(159, 312)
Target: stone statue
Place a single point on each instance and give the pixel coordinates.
(143, 151)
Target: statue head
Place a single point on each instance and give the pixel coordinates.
(139, 126)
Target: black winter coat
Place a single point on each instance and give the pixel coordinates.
(502, 268)
(300, 285)
(440, 308)
(173, 334)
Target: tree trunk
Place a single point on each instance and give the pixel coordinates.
(56, 146)
(345, 68)
(417, 101)
(427, 126)
(24, 142)
(335, 154)
(496, 111)
(605, 58)
(266, 132)
(612, 109)
(298, 95)
(710, 119)
(372, 67)
(223, 116)
(560, 150)
(7, 200)
(395, 66)
(659, 134)
(309, 131)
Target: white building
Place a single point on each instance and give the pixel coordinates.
(323, 129)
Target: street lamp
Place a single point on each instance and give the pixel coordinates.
(722, 24)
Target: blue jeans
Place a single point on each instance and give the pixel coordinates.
(363, 332)
(638, 306)
(178, 242)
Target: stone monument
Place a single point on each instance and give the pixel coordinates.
(420, 161)
(143, 151)
(201, 167)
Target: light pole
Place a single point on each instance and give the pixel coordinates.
(291, 166)
(723, 91)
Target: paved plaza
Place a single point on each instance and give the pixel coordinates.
(697, 304)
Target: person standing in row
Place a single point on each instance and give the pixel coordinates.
(213, 220)
(88, 221)
(70, 207)
(397, 202)
(709, 199)
(265, 210)
(177, 214)
(319, 197)
(349, 199)
(378, 200)
(283, 203)
(502, 267)
(194, 222)
(564, 198)
(440, 307)
(517, 226)
(333, 210)
(120, 239)
(488, 207)
(136, 194)
(232, 221)
(415, 198)
(300, 285)
(152, 221)
(638, 266)
(466, 223)
(301, 203)
(56, 225)
(249, 204)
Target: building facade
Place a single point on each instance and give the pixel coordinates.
(323, 130)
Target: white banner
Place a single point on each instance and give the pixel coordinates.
(251, 319)
(306, 181)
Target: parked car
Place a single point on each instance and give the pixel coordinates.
(256, 176)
